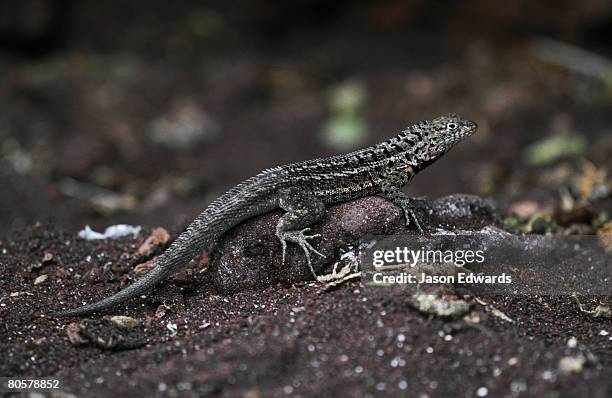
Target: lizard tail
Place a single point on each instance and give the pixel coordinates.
(224, 213)
(184, 248)
(152, 278)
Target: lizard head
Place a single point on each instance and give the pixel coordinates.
(440, 135)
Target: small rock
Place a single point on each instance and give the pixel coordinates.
(47, 258)
(74, 334)
(92, 275)
(442, 306)
(605, 236)
(41, 279)
(202, 262)
(34, 265)
(125, 321)
(62, 273)
(173, 328)
(39, 341)
(472, 317)
(591, 182)
(143, 268)
(204, 325)
(158, 238)
(569, 365)
(525, 209)
(160, 312)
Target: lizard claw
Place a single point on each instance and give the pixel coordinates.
(408, 214)
(409, 207)
(301, 239)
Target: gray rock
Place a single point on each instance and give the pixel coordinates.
(250, 257)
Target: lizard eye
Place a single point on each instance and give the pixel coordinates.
(451, 126)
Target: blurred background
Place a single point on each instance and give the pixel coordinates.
(142, 112)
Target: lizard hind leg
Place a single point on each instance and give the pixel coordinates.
(303, 209)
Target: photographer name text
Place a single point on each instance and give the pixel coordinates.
(459, 278)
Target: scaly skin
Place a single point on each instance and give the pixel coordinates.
(303, 189)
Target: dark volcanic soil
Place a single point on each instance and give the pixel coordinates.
(192, 340)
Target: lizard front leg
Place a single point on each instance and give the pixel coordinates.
(303, 209)
(391, 190)
(409, 206)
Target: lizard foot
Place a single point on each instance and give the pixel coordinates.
(410, 208)
(302, 240)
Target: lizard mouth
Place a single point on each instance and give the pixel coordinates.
(468, 128)
(471, 127)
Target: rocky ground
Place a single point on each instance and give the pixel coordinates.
(248, 327)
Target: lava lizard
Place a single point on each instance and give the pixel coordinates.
(303, 189)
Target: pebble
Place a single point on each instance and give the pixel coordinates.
(569, 365)
(158, 238)
(124, 321)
